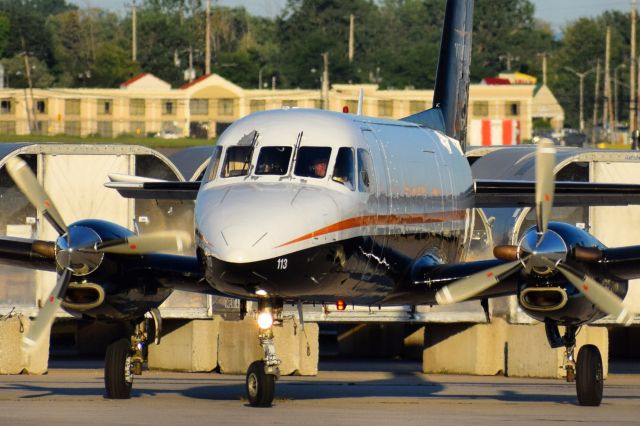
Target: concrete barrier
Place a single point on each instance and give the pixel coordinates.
(13, 360)
(231, 346)
(187, 346)
(297, 349)
(501, 348)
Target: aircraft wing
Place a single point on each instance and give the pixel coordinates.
(156, 190)
(427, 278)
(515, 193)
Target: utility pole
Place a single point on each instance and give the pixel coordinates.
(325, 80)
(544, 57)
(27, 71)
(607, 110)
(595, 102)
(581, 76)
(207, 44)
(508, 57)
(134, 33)
(633, 102)
(352, 25)
(615, 94)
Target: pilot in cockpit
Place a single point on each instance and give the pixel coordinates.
(319, 167)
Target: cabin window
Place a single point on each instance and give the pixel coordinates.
(273, 160)
(365, 171)
(237, 161)
(343, 172)
(212, 168)
(312, 161)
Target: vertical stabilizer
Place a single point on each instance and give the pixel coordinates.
(451, 96)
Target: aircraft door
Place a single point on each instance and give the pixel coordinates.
(379, 204)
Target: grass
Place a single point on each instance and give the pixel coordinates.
(127, 140)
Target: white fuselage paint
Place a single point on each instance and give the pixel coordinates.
(420, 185)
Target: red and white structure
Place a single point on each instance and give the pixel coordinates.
(488, 132)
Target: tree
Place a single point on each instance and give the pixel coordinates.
(15, 72)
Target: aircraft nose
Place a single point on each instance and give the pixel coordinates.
(250, 223)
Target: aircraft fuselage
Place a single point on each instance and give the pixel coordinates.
(271, 219)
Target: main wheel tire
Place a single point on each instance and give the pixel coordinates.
(260, 386)
(589, 376)
(118, 375)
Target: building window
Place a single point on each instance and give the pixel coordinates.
(105, 129)
(257, 105)
(72, 107)
(6, 106)
(225, 106)
(417, 106)
(481, 109)
(512, 109)
(136, 107)
(137, 128)
(41, 107)
(199, 106)
(72, 128)
(289, 103)
(385, 108)
(168, 107)
(7, 127)
(105, 106)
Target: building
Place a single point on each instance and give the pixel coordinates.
(147, 106)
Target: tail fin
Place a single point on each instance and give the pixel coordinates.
(451, 96)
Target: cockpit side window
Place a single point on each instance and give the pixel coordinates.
(365, 171)
(214, 163)
(273, 160)
(237, 161)
(312, 161)
(343, 172)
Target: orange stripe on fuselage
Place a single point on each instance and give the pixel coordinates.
(393, 219)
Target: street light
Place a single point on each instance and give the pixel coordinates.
(581, 76)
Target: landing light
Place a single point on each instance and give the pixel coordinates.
(341, 305)
(261, 292)
(265, 320)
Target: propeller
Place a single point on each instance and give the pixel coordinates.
(542, 252)
(79, 250)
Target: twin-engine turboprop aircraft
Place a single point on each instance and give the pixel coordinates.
(314, 206)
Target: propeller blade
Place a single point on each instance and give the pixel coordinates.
(472, 285)
(545, 183)
(599, 295)
(147, 243)
(47, 314)
(35, 193)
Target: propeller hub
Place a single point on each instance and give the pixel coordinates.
(542, 252)
(76, 250)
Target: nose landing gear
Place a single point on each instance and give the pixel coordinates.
(262, 374)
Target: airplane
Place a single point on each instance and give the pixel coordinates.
(301, 205)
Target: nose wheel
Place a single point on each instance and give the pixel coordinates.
(261, 386)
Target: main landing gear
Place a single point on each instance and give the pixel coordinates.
(262, 374)
(125, 356)
(587, 372)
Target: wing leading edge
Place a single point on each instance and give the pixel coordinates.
(506, 193)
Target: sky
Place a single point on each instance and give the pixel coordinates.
(557, 12)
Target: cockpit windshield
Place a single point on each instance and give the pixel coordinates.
(273, 160)
(312, 161)
(237, 161)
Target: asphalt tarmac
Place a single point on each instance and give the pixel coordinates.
(344, 393)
